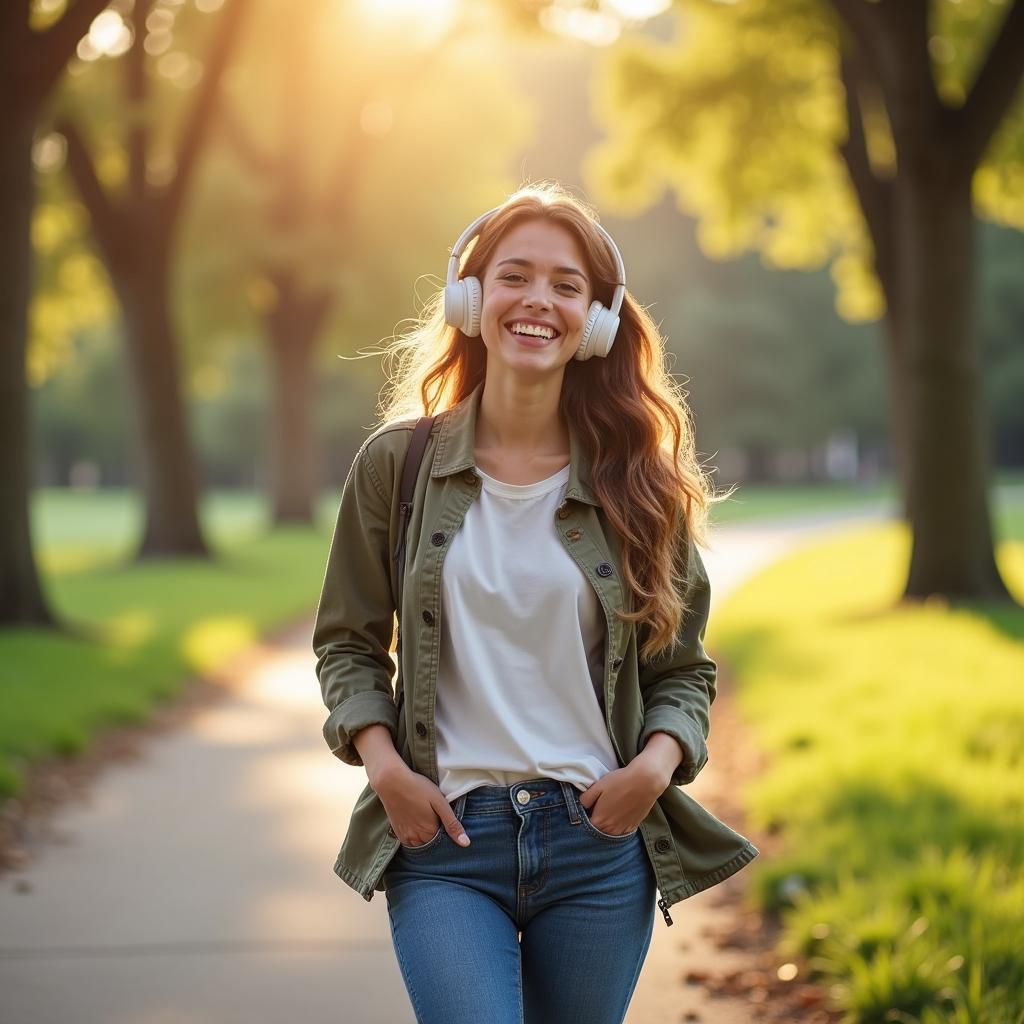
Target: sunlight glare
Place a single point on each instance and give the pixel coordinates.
(639, 10)
(109, 34)
(423, 21)
(594, 27)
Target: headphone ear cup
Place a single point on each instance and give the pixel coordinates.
(463, 302)
(476, 305)
(599, 332)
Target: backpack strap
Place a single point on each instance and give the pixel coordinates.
(410, 470)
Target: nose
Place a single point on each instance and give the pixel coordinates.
(534, 299)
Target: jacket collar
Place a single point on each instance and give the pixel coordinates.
(458, 439)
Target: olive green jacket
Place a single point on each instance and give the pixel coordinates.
(689, 848)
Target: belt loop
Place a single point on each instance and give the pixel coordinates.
(569, 792)
(460, 805)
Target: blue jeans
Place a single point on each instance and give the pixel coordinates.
(542, 919)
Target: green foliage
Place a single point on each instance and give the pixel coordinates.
(741, 114)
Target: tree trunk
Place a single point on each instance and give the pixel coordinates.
(899, 426)
(163, 450)
(293, 328)
(21, 596)
(291, 435)
(940, 378)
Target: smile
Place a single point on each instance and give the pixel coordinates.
(531, 340)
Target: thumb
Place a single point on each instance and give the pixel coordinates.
(452, 825)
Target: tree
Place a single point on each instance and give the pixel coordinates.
(32, 59)
(135, 229)
(308, 202)
(858, 133)
(297, 210)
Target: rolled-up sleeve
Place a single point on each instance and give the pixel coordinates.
(678, 686)
(355, 616)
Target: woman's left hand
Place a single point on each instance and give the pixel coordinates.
(622, 798)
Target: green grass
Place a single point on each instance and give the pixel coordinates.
(763, 501)
(138, 631)
(75, 530)
(895, 777)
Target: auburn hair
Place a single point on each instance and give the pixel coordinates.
(630, 414)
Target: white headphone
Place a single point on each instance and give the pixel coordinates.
(463, 300)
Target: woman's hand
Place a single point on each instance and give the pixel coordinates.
(620, 800)
(414, 804)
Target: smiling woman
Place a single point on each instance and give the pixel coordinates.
(561, 689)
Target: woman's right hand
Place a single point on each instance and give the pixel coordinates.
(414, 804)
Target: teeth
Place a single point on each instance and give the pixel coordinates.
(537, 332)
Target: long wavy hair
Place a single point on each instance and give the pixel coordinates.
(631, 415)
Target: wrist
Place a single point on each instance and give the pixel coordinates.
(385, 771)
(652, 772)
(660, 757)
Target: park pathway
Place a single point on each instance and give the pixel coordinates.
(192, 882)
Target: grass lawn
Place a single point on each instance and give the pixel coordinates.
(139, 631)
(895, 779)
(762, 501)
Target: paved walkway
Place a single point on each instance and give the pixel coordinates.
(194, 886)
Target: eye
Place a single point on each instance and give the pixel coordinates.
(567, 284)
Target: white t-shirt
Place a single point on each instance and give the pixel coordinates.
(522, 648)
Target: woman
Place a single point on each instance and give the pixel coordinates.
(522, 809)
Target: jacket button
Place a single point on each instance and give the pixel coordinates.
(421, 729)
(437, 539)
(616, 663)
(470, 477)
(573, 534)
(604, 569)
(563, 512)
(663, 845)
(428, 616)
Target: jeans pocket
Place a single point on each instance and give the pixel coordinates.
(604, 835)
(430, 842)
(594, 830)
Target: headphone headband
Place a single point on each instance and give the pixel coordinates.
(474, 228)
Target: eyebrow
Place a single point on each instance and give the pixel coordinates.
(558, 270)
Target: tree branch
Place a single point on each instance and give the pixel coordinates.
(52, 49)
(892, 36)
(874, 194)
(241, 141)
(104, 214)
(202, 110)
(854, 150)
(993, 90)
(135, 87)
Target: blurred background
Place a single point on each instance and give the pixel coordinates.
(214, 211)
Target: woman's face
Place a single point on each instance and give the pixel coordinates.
(536, 274)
